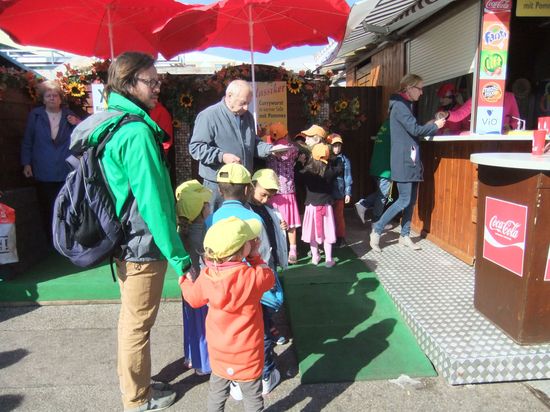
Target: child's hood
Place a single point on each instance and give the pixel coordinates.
(231, 287)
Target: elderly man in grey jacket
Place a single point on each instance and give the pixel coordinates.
(225, 133)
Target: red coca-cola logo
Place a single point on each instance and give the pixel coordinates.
(495, 6)
(505, 228)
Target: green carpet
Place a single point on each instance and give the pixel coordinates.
(56, 279)
(346, 327)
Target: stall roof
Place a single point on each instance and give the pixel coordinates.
(371, 20)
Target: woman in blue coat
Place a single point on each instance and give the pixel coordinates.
(46, 146)
(406, 166)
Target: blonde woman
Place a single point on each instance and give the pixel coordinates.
(406, 166)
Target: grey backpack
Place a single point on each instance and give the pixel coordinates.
(85, 226)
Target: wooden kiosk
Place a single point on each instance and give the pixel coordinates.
(512, 280)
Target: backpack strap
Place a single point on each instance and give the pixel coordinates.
(126, 118)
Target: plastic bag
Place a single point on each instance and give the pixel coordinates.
(8, 244)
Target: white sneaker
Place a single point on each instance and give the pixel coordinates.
(407, 242)
(269, 384)
(375, 241)
(235, 391)
(360, 209)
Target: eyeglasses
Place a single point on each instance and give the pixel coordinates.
(152, 83)
(417, 88)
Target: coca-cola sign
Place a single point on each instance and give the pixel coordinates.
(507, 229)
(498, 6)
(505, 233)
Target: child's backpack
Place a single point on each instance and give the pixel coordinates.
(85, 226)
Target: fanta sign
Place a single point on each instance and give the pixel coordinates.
(495, 36)
(504, 234)
(498, 6)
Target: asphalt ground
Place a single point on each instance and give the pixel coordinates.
(63, 358)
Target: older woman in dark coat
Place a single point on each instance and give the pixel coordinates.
(45, 146)
(406, 166)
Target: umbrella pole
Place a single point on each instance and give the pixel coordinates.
(251, 37)
(110, 28)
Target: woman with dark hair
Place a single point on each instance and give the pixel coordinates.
(45, 147)
(406, 166)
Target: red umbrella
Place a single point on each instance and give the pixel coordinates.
(101, 28)
(259, 25)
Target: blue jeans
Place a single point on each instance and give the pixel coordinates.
(378, 199)
(269, 343)
(405, 202)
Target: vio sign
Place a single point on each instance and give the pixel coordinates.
(489, 120)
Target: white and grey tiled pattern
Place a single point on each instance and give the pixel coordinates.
(434, 292)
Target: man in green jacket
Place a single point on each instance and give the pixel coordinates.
(138, 178)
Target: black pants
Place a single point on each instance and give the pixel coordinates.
(46, 193)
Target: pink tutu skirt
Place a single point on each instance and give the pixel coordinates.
(288, 208)
(318, 225)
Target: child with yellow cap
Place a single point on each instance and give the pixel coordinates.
(192, 208)
(341, 188)
(285, 198)
(235, 184)
(232, 283)
(317, 175)
(266, 184)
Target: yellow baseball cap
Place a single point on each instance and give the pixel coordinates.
(320, 152)
(315, 131)
(267, 178)
(190, 199)
(335, 138)
(234, 173)
(227, 236)
(277, 130)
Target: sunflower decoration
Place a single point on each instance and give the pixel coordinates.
(294, 85)
(346, 114)
(340, 105)
(314, 107)
(76, 89)
(186, 100)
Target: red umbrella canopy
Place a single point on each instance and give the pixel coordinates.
(101, 28)
(259, 25)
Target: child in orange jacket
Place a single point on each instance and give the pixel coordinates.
(232, 287)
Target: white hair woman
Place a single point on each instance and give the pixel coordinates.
(45, 147)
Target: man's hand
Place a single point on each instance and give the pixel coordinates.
(284, 225)
(347, 199)
(27, 171)
(190, 275)
(440, 123)
(228, 158)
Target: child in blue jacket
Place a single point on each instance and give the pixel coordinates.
(341, 190)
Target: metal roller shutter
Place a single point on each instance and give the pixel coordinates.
(448, 50)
